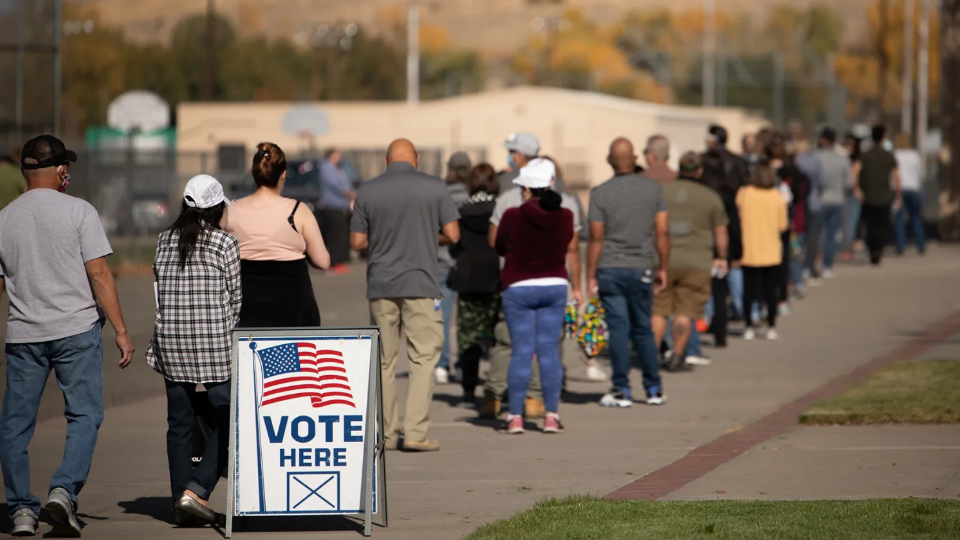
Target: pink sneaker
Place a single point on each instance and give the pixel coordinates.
(513, 425)
(551, 424)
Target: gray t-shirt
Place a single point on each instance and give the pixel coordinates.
(627, 205)
(445, 262)
(45, 239)
(837, 177)
(402, 212)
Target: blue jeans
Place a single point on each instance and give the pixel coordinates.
(735, 283)
(446, 306)
(535, 318)
(831, 217)
(78, 364)
(627, 297)
(912, 204)
(852, 225)
(796, 264)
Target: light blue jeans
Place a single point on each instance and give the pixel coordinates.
(735, 283)
(912, 205)
(446, 306)
(831, 216)
(78, 364)
(535, 318)
(852, 223)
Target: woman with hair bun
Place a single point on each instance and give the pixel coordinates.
(278, 237)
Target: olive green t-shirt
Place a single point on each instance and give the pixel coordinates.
(694, 210)
(12, 184)
(877, 167)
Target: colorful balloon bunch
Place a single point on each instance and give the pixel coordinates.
(591, 331)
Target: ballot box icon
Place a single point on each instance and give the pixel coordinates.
(313, 491)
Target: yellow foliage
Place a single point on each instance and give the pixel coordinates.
(433, 37)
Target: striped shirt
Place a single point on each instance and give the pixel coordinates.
(627, 205)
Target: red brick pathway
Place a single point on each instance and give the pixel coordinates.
(708, 457)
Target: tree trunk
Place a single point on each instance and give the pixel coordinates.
(950, 121)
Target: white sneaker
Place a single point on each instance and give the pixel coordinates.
(657, 399)
(698, 361)
(827, 273)
(596, 374)
(772, 334)
(441, 375)
(749, 334)
(616, 399)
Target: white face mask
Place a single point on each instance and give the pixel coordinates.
(888, 145)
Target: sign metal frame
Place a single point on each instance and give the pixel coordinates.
(374, 461)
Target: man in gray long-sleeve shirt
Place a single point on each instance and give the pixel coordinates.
(809, 164)
(838, 181)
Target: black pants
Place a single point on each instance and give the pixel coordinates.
(783, 276)
(877, 220)
(335, 225)
(718, 325)
(761, 282)
(181, 412)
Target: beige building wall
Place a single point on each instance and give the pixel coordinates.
(575, 128)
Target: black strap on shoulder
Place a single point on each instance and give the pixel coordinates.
(290, 219)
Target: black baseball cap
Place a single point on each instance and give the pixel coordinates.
(45, 151)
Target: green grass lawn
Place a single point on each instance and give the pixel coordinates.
(919, 392)
(585, 518)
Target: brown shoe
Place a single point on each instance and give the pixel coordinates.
(490, 408)
(423, 446)
(534, 408)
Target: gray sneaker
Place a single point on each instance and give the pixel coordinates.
(62, 514)
(24, 523)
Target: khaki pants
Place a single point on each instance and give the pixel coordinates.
(495, 386)
(423, 326)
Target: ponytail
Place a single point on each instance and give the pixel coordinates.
(269, 164)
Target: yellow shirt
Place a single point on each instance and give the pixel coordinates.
(763, 217)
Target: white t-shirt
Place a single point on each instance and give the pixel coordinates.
(911, 169)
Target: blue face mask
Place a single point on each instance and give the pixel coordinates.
(888, 145)
(510, 162)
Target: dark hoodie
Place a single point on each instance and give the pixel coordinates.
(477, 266)
(533, 242)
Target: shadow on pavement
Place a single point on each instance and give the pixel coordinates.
(297, 524)
(159, 508)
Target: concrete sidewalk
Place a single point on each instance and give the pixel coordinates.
(480, 476)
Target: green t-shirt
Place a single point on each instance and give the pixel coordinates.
(877, 167)
(695, 210)
(12, 184)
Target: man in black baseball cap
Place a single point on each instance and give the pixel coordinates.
(53, 266)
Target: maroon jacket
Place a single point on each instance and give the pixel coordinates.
(534, 243)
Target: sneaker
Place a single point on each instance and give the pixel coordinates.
(534, 408)
(749, 334)
(783, 309)
(616, 398)
(24, 523)
(772, 334)
(468, 401)
(513, 425)
(425, 445)
(490, 408)
(655, 396)
(827, 273)
(698, 361)
(441, 375)
(551, 424)
(678, 363)
(339, 269)
(63, 514)
(596, 374)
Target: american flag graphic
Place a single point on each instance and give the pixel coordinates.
(299, 370)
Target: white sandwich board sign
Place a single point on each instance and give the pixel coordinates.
(306, 435)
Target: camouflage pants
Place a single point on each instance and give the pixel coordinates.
(476, 319)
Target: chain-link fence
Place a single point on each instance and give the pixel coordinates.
(28, 68)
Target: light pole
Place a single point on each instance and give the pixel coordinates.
(413, 52)
(709, 52)
(923, 73)
(906, 112)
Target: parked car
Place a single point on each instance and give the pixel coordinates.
(303, 183)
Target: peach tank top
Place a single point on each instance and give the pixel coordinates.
(264, 232)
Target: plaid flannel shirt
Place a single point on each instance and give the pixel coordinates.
(198, 307)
